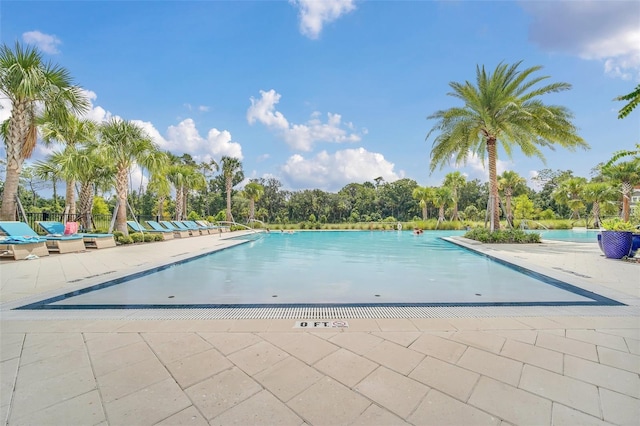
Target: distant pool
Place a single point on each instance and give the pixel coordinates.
(572, 235)
(358, 268)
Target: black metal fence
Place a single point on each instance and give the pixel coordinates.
(100, 222)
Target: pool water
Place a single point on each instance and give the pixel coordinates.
(331, 267)
(572, 235)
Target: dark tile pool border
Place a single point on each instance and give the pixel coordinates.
(46, 304)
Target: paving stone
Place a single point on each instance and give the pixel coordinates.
(107, 362)
(396, 324)
(480, 340)
(488, 364)
(567, 346)
(328, 402)
(258, 357)
(539, 323)
(509, 403)
(357, 342)
(395, 357)
(633, 345)
(190, 370)
(632, 333)
(8, 374)
(307, 347)
(288, 378)
(445, 377)
(603, 376)
(170, 347)
(261, 409)
(599, 339)
(54, 366)
(565, 416)
(65, 343)
(565, 390)
(11, 345)
(402, 338)
(534, 355)
(618, 359)
(432, 324)
(440, 409)
(228, 343)
(487, 323)
(219, 393)
(438, 347)
(253, 326)
(376, 416)
(524, 336)
(189, 416)
(106, 342)
(619, 409)
(147, 406)
(131, 378)
(85, 409)
(346, 367)
(395, 392)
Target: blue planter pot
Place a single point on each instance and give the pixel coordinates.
(635, 243)
(616, 244)
(600, 242)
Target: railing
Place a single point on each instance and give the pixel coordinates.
(100, 221)
(257, 231)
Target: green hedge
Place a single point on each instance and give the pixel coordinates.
(508, 236)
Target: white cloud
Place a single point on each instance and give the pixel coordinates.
(301, 137)
(45, 42)
(203, 108)
(532, 182)
(331, 172)
(95, 113)
(595, 30)
(185, 138)
(315, 13)
(480, 169)
(5, 108)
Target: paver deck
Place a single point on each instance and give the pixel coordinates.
(528, 366)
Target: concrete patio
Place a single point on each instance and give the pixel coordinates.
(529, 365)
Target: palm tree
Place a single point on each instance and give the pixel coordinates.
(71, 131)
(627, 174)
(442, 197)
(598, 193)
(502, 108)
(455, 181)
(27, 81)
(569, 193)
(125, 144)
(424, 194)
(232, 172)
(253, 191)
(507, 183)
(194, 180)
(46, 170)
(634, 100)
(159, 184)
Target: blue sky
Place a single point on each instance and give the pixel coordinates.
(323, 93)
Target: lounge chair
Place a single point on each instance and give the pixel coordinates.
(22, 247)
(58, 243)
(180, 233)
(97, 241)
(180, 225)
(194, 226)
(137, 227)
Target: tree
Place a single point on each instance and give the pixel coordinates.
(442, 197)
(627, 174)
(503, 108)
(424, 194)
(508, 182)
(253, 191)
(70, 132)
(523, 207)
(455, 181)
(46, 170)
(126, 144)
(31, 86)
(598, 193)
(569, 193)
(634, 100)
(232, 173)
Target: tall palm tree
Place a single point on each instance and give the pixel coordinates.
(442, 197)
(70, 132)
(455, 181)
(569, 193)
(253, 191)
(194, 181)
(26, 80)
(232, 173)
(627, 174)
(160, 186)
(634, 100)
(509, 180)
(502, 108)
(424, 194)
(126, 144)
(598, 193)
(47, 170)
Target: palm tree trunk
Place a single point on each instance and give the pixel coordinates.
(493, 185)
(626, 192)
(596, 214)
(18, 132)
(424, 212)
(228, 188)
(122, 185)
(86, 204)
(507, 196)
(70, 197)
(160, 207)
(252, 207)
(179, 203)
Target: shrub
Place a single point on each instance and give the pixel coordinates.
(123, 239)
(137, 237)
(507, 236)
(149, 238)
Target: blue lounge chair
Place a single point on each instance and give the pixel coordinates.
(195, 227)
(59, 243)
(137, 227)
(180, 233)
(90, 240)
(22, 247)
(181, 226)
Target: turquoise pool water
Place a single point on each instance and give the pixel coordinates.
(578, 236)
(357, 267)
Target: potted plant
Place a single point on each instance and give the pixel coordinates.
(616, 238)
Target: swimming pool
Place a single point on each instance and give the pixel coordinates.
(572, 235)
(357, 268)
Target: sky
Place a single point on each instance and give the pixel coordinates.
(322, 93)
